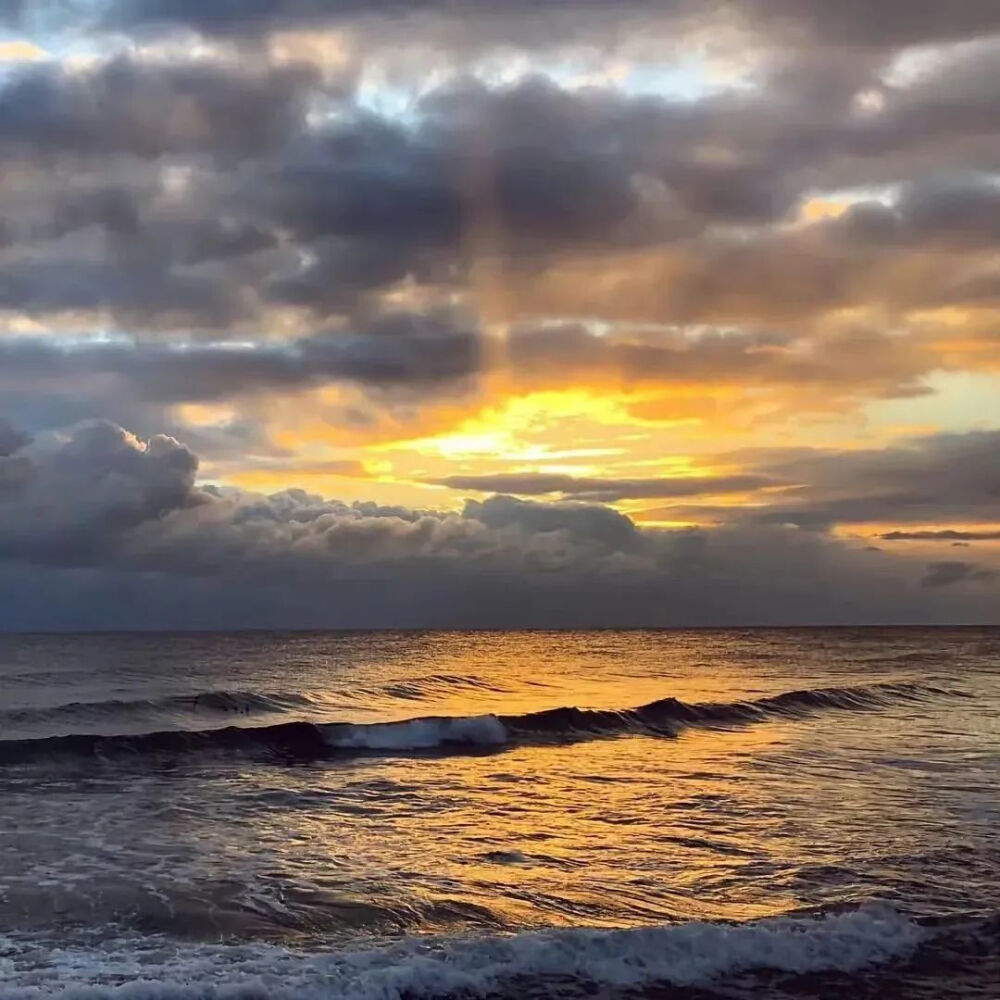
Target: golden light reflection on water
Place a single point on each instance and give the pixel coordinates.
(611, 832)
(715, 823)
(562, 827)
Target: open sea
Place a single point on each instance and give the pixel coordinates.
(766, 813)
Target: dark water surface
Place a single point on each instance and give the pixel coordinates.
(704, 813)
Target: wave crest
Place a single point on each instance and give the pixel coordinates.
(663, 718)
(208, 702)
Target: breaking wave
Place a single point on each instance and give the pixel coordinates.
(663, 718)
(570, 961)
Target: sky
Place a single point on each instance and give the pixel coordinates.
(447, 313)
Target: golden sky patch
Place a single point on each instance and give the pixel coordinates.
(21, 51)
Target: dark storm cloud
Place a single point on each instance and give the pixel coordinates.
(113, 209)
(946, 574)
(606, 490)
(945, 535)
(390, 349)
(150, 108)
(531, 163)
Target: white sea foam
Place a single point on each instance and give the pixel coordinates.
(418, 734)
(687, 954)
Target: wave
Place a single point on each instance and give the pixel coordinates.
(668, 715)
(87, 715)
(665, 718)
(208, 702)
(571, 961)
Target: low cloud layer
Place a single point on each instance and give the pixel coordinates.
(97, 506)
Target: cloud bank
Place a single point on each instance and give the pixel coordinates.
(94, 510)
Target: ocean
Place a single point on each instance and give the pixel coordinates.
(711, 813)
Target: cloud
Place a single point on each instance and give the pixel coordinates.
(147, 109)
(525, 168)
(842, 362)
(249, 16)
(947, 574)
(11, 439)
(132, 290)
(896, 22)
(465, 25)
(579, 521)
(950, 211)
(932, 479)
(586, 201)
(944, 535)
(706, 216)
(941, 477)
(388, 349)
(606, 490)
(892, 23)
(95, 505)
(64, 497)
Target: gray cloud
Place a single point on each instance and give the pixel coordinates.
(581, 521)
(525, 168)
(527, 173)
(891, 23)
(93, 510)
(462, 26)
(191, 200)
(944, 477)
(962, 212)
(946, 574)
(47, 382)
(606, 490)
(148, 109)
(64, 498)
(134, 291)
(928, 480)
(11, 439)
(896, 22)
(944, 535)
(387, 349)
(249, 15)
(848, 362)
